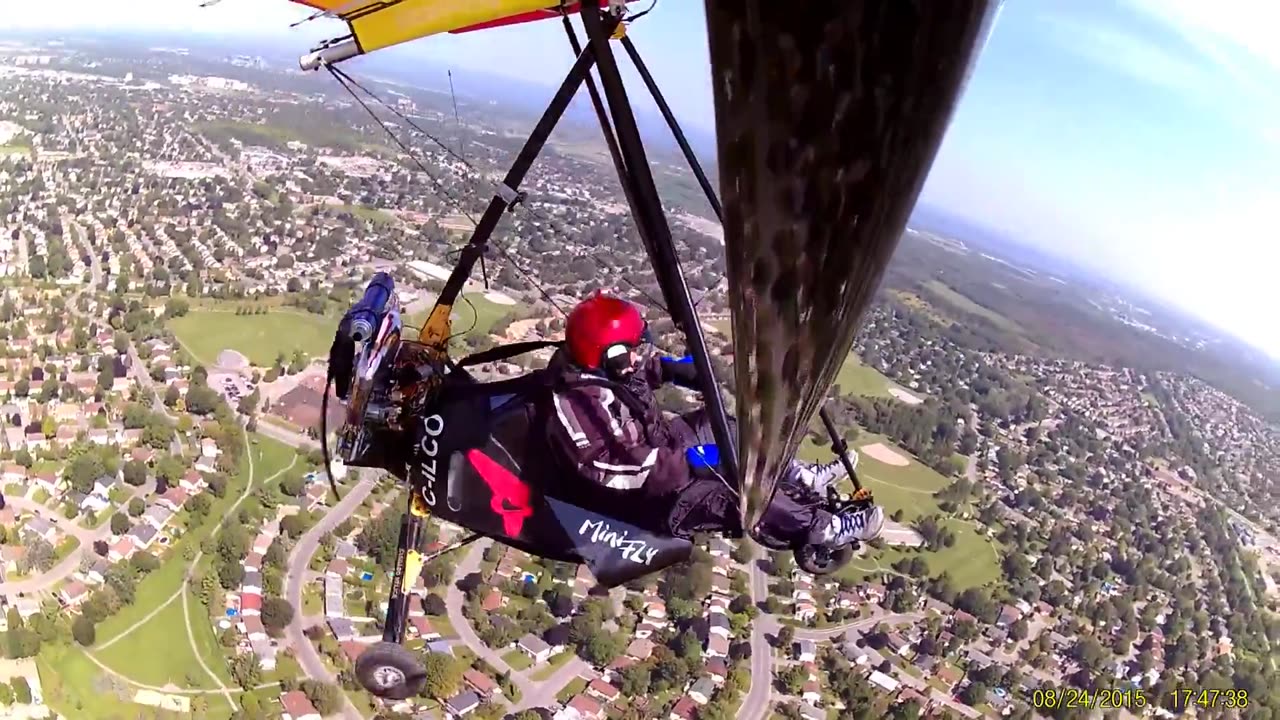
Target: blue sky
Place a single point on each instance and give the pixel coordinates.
(1136, 136)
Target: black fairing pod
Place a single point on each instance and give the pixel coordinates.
(483, 460)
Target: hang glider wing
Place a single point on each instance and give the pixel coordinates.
(377, 24)
(828, 116)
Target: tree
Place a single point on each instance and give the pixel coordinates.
(277, 613)
(84, 631)
(786, 636)
(21, 690)
(434, 605)
(443, 675)
(6, 695)
(246, 670)
(137, 506)
(135, 473)
(119, 524)
(326, 698)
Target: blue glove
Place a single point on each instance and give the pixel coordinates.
(685, 359)
(703, 455)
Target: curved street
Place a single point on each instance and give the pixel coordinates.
(70, 563)
(296, 577)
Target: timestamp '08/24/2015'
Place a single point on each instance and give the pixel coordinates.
(1068, 698)
(1136, 699)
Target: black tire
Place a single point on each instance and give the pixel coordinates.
(822, 560)
(391, 671)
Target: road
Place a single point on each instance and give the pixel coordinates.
(295, 577)
(755, 706)
(71, 563)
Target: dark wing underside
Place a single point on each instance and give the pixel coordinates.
(828, 116)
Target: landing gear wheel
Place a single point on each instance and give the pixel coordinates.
(821, 559)
(391, 671)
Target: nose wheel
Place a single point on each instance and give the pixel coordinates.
(391, 671)
(822, 559)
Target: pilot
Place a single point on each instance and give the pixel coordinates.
(615, 434)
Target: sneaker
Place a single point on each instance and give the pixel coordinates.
(817, 478)
(856, 525)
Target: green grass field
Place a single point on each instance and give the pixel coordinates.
(855, 378)
(552, 665)
(973, 559)
(960, 302)
(205, 333)
(136, 656)
(76, 688)
(571, 688)
(378, 217)
(517, 660)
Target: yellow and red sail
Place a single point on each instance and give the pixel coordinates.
(377, 24)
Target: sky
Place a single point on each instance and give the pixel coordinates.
(1136, 137)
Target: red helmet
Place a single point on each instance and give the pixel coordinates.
(599, 323)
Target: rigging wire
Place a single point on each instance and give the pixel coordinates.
(343, 78)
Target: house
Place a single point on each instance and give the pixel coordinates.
(121, 549)
(208, 448)
(809, 712)
(720, 584)
(702, 691)
(72, 594)
(420, 626)
(950, 676)
(352, 650)
(586, 706)
(718, 624)
(811, 693)
(8, 517)
(97, 573)
(493, 600)
(937, 607)
(535, 648)
(192, 481)
(1008, 616)
(717, 646)
(41, 528)
(882, 681)
(342, 629)
(251, 583)
(250, 604)
(94, 503)
(684, 709)
(719, 547)
(10, 556)
(602, 690)
(640, 649)
(461, 704)
(478, 681)
(717, 670)
(14, 474)
(252, 627)
(144, 455)
(806, 651)
(872, 592)
(157, 516)
(142, 536)
(294, 705)
(46, 481)
(655, 609)
(173, 499)
(806, 611)
(337, 569)
(898, 644)
(253, 562)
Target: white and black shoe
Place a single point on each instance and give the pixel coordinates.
(817, 478)
(856, 525)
